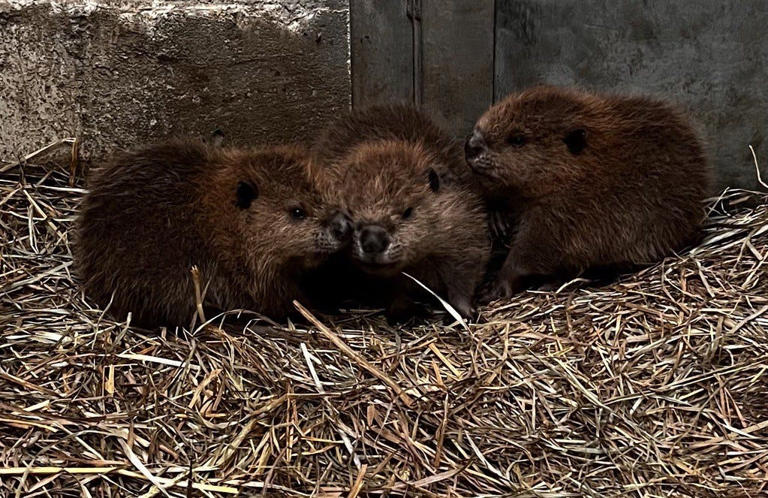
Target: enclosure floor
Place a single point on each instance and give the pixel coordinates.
(656, 385)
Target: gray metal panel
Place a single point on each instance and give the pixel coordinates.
(709, 57)
(381, 42)
(457, 44)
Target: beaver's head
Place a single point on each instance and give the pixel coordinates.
(275, 210)
(530, 141)
(392, 192)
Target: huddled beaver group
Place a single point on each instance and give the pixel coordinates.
(557, 181)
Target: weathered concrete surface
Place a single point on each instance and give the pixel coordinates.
(710, 56)
(117, 73)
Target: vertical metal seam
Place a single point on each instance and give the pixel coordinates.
(350, 43)
(493, 54)
(418, 53)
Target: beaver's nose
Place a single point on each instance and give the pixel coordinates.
(474, 146)
(341, 227)
(373, 239)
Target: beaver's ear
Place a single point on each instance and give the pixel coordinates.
(576, 140)
(246, 193)
(434, 180)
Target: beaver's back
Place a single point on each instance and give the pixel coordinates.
(647, 176)
(138, 226)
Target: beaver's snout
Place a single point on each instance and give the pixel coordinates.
(374, 240)
(474, 146)
(340, 227)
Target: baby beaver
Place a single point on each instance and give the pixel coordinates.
(587, 181)
(248, 219)
(401, 181)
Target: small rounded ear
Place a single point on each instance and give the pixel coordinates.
(246, 193)
(576, 140)
(434, 180)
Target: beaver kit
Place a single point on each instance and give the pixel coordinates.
(579, 181)
(401, 181)
(248, 219)
(573, 181)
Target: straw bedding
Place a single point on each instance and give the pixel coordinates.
(656, 385)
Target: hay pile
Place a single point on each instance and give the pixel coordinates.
(653, 386)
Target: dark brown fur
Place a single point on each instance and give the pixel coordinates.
(392, 167)
(588, 180)
(396, 122)
(153, 213)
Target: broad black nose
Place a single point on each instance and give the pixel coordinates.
(374, 239)
(341, 227)
(474, 146)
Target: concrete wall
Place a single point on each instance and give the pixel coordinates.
(708, 55)
(118, 73)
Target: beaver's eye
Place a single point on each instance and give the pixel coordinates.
(407, 213)
(516, 140)
(298, 213)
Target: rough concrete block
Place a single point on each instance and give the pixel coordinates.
(118, 73)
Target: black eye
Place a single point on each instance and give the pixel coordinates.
(516, 140)
(298, 213)
(407, 213)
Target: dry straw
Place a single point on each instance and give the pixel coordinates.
(654, 386)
